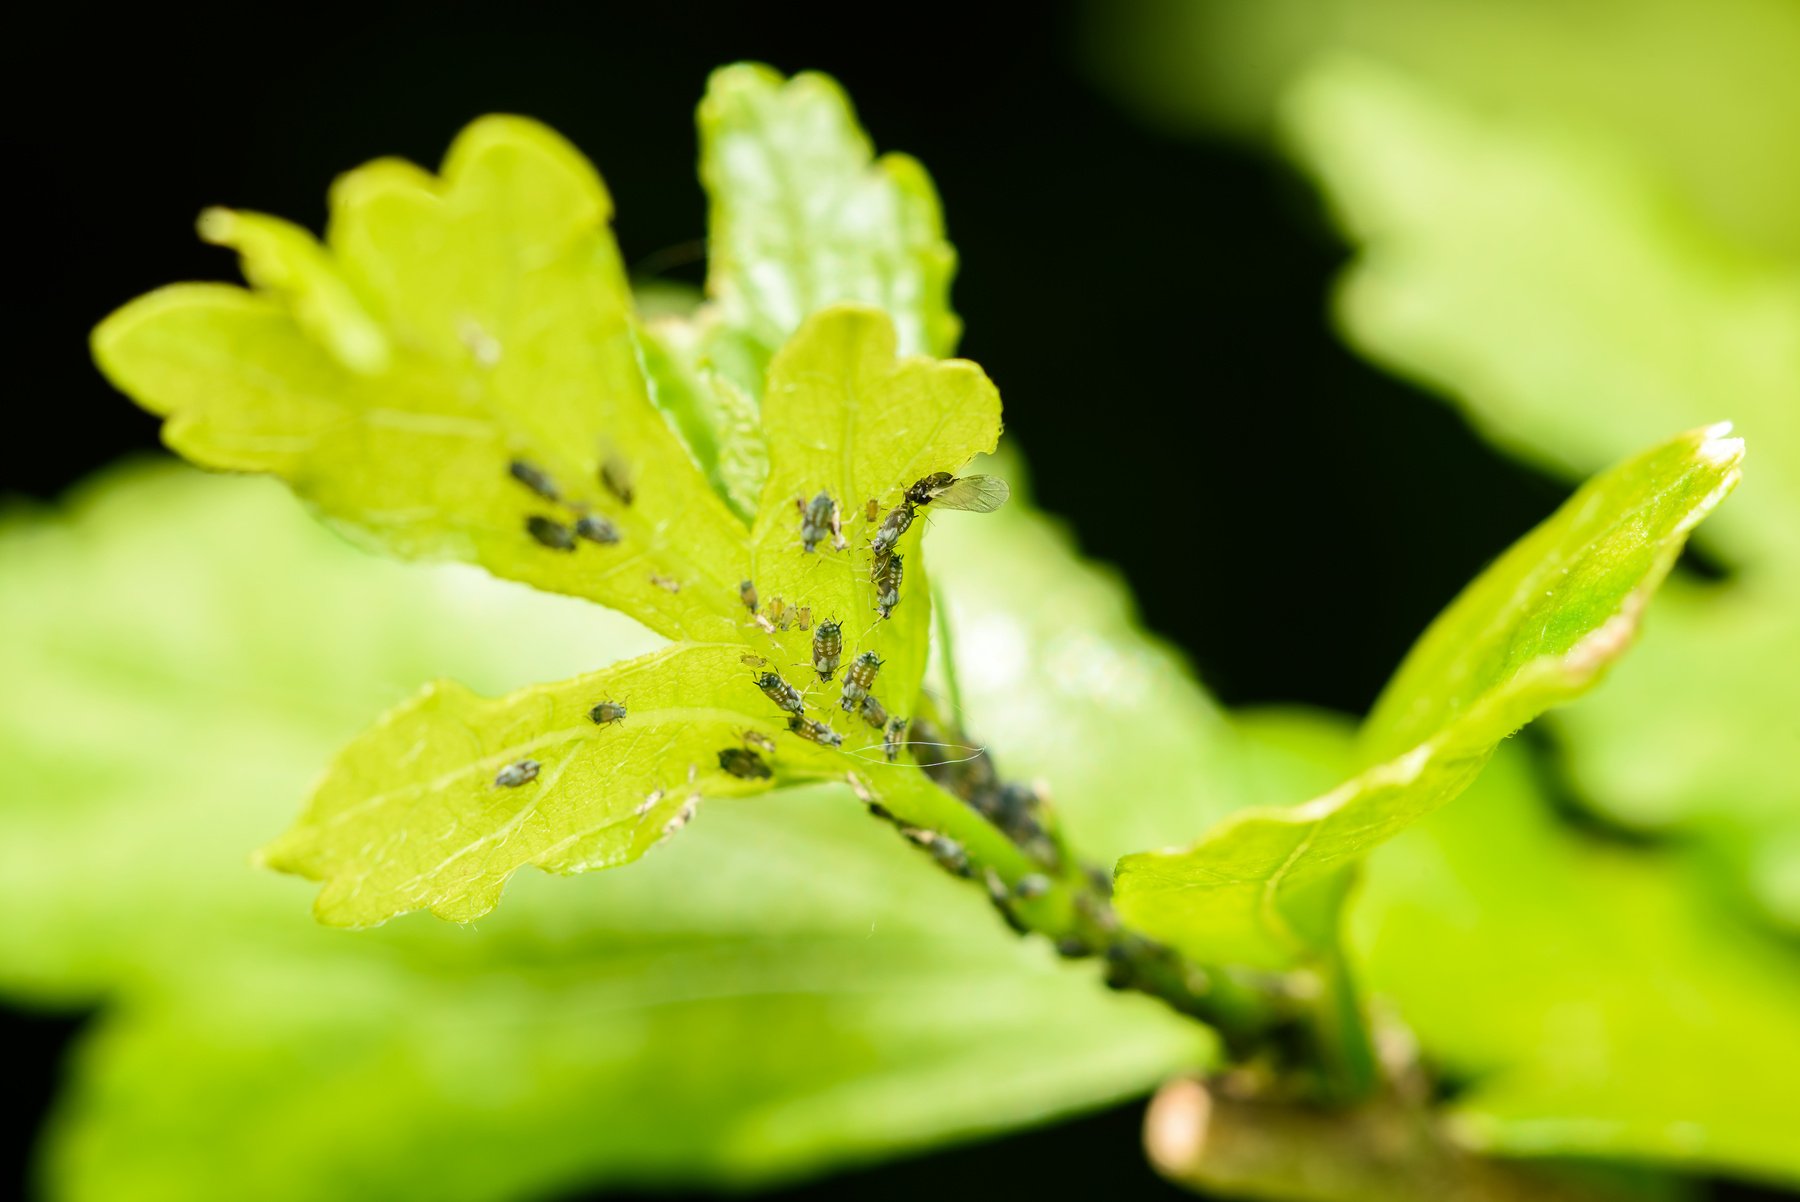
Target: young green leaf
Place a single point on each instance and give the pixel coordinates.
(1536, 629)
(802, 215)
(848, 420)
(437, 805)
(453, 374)
(445, 798)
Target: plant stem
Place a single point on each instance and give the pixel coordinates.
(1382, 1150)
(1006, 837)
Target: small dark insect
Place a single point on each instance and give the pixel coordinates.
(859, 678)
(760, 741)
(873, 712)
(514, 775)
(977, 494)
(819, 517)
(755, 661)
(608, 713)
(827, 649)
(815, 732)
(663, 582)
(946, 851)
(534, 478)
(803, 617)
(615, 474)
(892, 736)
(747, 594)
(554, 535)
(596, 529)
(887, 585)
(872, 509)
(744, 764)
(781, 693)
(898, 520)
(1028, 887)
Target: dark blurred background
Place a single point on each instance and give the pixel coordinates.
(1152, 308)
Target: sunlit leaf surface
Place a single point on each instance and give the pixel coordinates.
(449, 329)
(802, 216)
(1537, 628)
(448, 796)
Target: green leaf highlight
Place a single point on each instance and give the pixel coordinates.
(1536, 629)
(449, 328)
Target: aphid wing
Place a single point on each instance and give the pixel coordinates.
(977, 494)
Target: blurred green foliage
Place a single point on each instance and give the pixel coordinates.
(785, 988)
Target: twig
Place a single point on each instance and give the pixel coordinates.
(1382, 1150)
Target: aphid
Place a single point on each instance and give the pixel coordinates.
(744, 764)
(760, 741)
(777, 612)
(819, 517)
(873, 712)
(747, 594)
(596, 529)
(552, 534)
(872, 509)
(663, 582)
(1034, 885)
(859, 678)
(682, 817)
(897, 522)
(607, 713)
(815, 732)
(754, 661)
(892, 736)
(887, 585)
(946, 851)
(534, 478)
(615, 474)
(803, 617)
(514, 775)
(827, 649)
(781, 692)
(977, 494)
(768, 627)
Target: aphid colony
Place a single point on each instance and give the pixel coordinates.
(821, 521)
(582, 523)
(821, 518)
